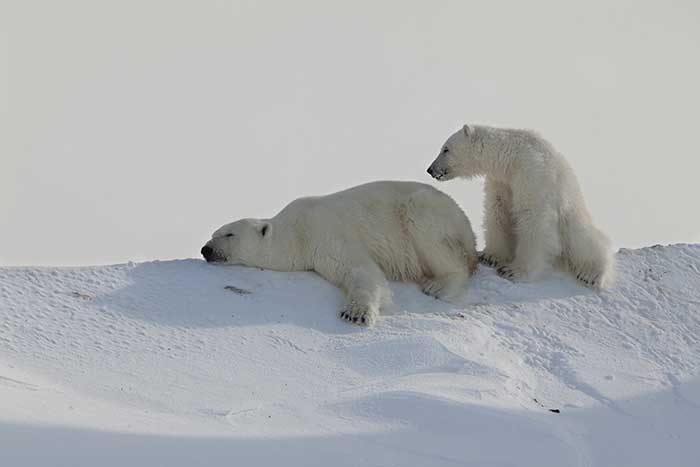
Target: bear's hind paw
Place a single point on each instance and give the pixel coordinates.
(590, 280)
(447, 288)
(432, 288)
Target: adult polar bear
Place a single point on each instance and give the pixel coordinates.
(358, 238)
(534, 211)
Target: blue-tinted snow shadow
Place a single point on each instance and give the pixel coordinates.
(192, 293)
(488, 288)
(419, 430)
(427, 432)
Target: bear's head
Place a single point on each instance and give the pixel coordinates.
(241, 242)
(458, 157)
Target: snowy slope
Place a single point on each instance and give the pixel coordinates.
(161, 364)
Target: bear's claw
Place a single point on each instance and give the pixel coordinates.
(354, 319)
(505, 271)
(491, 260)
(432, 288)
(589, 281)
(357, 314)
(487, 260)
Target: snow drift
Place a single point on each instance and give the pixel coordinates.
(184, 363)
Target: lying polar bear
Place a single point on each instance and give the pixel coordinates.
(359, 238)
(534, 211)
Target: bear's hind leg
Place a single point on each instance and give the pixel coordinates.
(450, 268)
(445, 244)
(447, 287)
(587, 254)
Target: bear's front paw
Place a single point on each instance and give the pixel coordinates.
(358, 313)
(491, 260)
(509, 272)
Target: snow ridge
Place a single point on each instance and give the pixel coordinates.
(181, 361)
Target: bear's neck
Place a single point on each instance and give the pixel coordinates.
(283, 250)
(496, 157)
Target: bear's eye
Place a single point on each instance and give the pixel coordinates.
(228, 235)
(444, 150)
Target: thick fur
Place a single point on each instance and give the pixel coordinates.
(359, 238)
(534, 211)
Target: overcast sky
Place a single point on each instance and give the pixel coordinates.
(130, 130)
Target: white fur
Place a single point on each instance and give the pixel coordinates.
(359, 238)
(534, 211)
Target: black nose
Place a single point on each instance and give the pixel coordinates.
(430, 170)
(207, 251)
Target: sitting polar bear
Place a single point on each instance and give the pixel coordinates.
(358, 238)
(534, 212)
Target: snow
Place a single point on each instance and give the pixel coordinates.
(184, 363)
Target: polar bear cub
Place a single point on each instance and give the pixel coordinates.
(534, 211)
(357, 239)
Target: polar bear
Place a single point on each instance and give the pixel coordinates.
(357, 239)
(534, 211)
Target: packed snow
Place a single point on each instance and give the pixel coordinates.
(183, 363)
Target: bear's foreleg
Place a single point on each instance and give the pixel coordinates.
(498, 225)
(366, 289)
(364, 284)
(538, 242)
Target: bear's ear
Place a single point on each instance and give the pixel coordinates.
(467, 131)
(264, 229)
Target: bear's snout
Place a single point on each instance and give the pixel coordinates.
(207, 252)
(437, 172)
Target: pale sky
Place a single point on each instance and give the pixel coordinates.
(130, 130)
